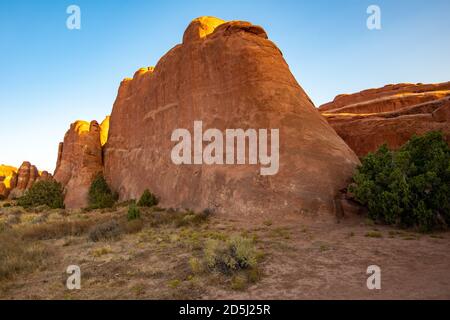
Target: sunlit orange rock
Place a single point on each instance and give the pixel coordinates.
(391, 115)
(79, 160)
(228, 75)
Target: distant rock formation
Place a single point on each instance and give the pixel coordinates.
(391, 114)
(80, 159)
(227, 75)
(8, 180)
(14, 182)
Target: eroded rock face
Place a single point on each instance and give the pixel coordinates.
(79, 160)
(17, 181)
(227, 75)
(391, 115)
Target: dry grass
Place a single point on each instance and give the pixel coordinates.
(57, 229)
(18, 255)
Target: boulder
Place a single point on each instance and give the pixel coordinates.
(227, 75)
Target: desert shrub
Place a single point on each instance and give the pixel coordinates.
(236, 257)
(147, 199)
(48, 193)
(17, 255)
(105, 231)
(231, 255)
(409, 187)
(133, 213)
(7, 205)
(100, 195)
(132, 226)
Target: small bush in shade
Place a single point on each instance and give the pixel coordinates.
(105, 231)
(43, 193)
(100, 195)
(147, 199)
(133, 212)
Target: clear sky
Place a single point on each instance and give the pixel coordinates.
(52, 76)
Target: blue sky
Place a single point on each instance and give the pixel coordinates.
(52, 76)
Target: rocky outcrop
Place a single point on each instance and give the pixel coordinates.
(391, 115)
(14, 182)
(8, 180)
(80, 159)
(227, 75)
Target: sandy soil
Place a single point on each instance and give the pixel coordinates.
(303, 259)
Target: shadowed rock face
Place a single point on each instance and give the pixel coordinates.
(391, 115)
(228, 75)
(79, 160)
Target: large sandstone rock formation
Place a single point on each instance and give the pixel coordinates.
(14, 182)
(80, 159)
(228, 75)
(391, 115)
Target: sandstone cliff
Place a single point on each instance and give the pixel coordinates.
(391, 115)
(227, 75)
(80, 159)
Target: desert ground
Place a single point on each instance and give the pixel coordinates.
(152, 257)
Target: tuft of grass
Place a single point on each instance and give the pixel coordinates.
(239, 282)
(374, 234)
(175, 283)
(101, 252)
(196, 265)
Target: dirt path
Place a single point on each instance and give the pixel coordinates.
(329, 261)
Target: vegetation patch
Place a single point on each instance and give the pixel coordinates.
(409, 187)
(133, 212)
(56, 230)
(148, 199)
(100, 195)
(43, 193)
(105, 231)
(18, 256)
(236, 258)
